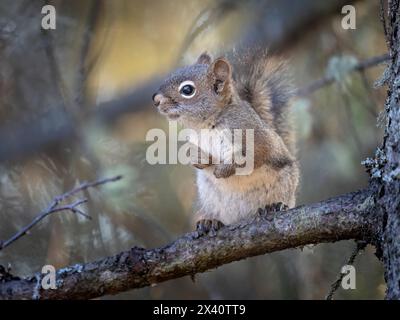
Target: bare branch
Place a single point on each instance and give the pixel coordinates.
(285, 21)
(335, 286)
(87, 185)
(84, 71)
(19, 139)
(205, 19)
(349, 216)
(54, 207)
(327, 80)
(382, 17)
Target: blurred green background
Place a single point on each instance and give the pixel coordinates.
(130, 43)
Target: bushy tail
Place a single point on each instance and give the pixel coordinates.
(264, 82)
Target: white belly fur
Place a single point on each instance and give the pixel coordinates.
(236, 197)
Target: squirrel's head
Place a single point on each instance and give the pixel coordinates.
(194, 93)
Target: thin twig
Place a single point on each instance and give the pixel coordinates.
(327, 80)
(383, 21)
(206, 18)
(54, 207)
(335, 286)
(59, 84)
(349, 119)
(87, 185)
(84, 71)
(371, 105)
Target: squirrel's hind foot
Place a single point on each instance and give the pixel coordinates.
(206, 226)
(271, 208)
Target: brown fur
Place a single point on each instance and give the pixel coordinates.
(265, 83)
(244, 91)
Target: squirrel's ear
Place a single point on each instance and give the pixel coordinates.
(205, 58)
(221, 71)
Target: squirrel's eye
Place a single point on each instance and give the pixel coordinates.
(187, 89)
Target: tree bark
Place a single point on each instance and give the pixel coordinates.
(350, 216)
(390, 172)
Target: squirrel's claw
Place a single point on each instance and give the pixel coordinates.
(200, 166)
(273, 207)
(202, 160)
(206, 226)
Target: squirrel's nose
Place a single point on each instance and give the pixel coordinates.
(157, 98)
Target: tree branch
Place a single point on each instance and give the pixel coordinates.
(349, 216)
(285, 21)
(335, 286)
(54, 207)
(327, 80)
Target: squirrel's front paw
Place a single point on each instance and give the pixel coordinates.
(206, 226)
(200, 165)
(201, 160)
(224, 170)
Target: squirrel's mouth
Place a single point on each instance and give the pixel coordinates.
(171, 112)
(173, 116)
